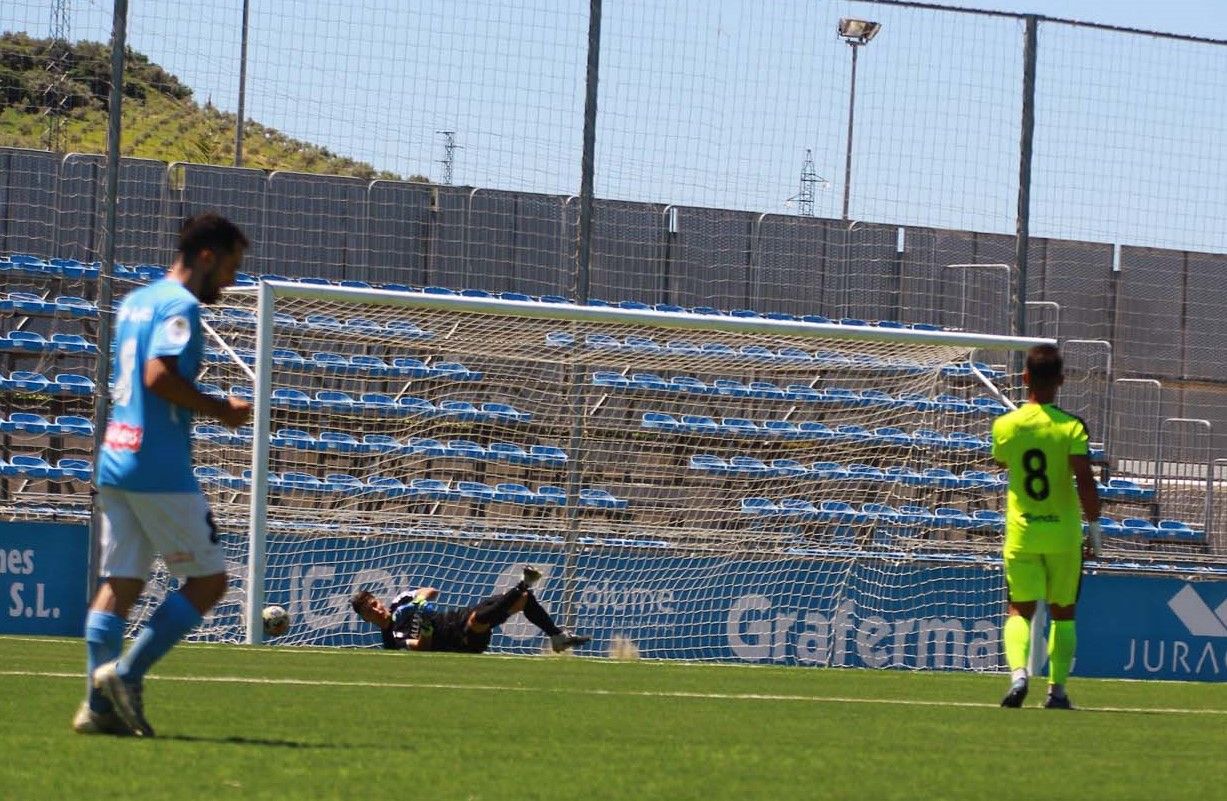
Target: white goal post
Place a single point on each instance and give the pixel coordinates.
(787, 483)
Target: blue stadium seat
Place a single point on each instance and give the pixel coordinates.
(699, 424)
(431, 489)
(1110, 527)
(552, 496)
(516, 296)
(330, 363)
(395, 287)
(27, 341)
(459, 410)
(475, 293)
(73, 384)
(685, 383)
(942, 478)
(718, 349)
(849, 432)
(27, 423)
(824, 471)
(74, 425)
(416, 406)
(866, 473)
(341, 442)
(290, 398)
(682, 347)
(913, 513)
(297, 483)
(404, 329)
(27, 381)
(370, 365)
(508, 492)
(409, 367)
(781, 429)
(708, 463)
(799, 507)
(633, 305)
(606, 378)
(333, 400)
(389, 486)
(547, 455)
(508, 452)
(815, 430)
(793, 354)
(642, 344)
(927, 437)
(602, 341)
(361, 325)
(1138, 527)
(838, 512)
(600, 499)
(1178, 531)
(76, 469)
(804, 394)
(841, 396)
(313, 281)
(344, 484)
(475, 491)
(33, 467)
(554, 299)
(876, 398)
(952, 404)
(965, 441)
(72, 343)
(208, 474)
(377, 402)
(759, 506)
(989, 519)
(650, 381)
(990, 407)
(465, 449)
(914, 400)
(901, 474)
(730, 388)
(749, 466)
(284, 357)
(704, 310)
(757, 352)
(1125, 489)
(740, 427)
(427, 447)
(381, 443)
(788, 467)
(766, 390)
(559, 339)
(26, 303)
(890, 435)
(659, 421)
(293, 438)
(953, 518)
(454, 371)
(503, 411)
(671, 308)
(230, 317)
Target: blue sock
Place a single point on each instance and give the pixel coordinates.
(169, 622)
(104, 640)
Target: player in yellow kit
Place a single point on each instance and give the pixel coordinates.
(1045, 451)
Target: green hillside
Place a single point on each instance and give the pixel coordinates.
(161, 119)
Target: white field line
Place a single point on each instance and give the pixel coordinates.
(813, 699)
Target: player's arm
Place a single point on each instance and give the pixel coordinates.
(426, 594)
(1088, 492)
(163, 379)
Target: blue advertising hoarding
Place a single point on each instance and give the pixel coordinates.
(781, 609)
(43, 577)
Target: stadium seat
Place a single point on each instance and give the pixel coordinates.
(381, 443)
(759, 506)
(290, 398)
(554, 299)
(475, 491)
(1138, 527)
(1178, 531)
(426, 447)
(682, 347)
(431, 489)
(300, 483)
(72, 343)
(989, 519)
(740, 427)
(815, 430)
(372, 366)
(708, 463)
(749, 466)
(602, 341)
(27, 381)
(717, 349)
(889, 435)
(803, 393)
(942, 478)
(74, 425)
(866, 473)
(650, 381)
(757, 352)
(790, 468)
(952, 518)
(990, 407)
(799, 507)
(516, 296)
(76, 469)
(26, 423)
(699, 424)
(344, 484)
(73, 384)
(416, 406)
(685, 383)
(828, 471)
(552, 496)
(508, 452)
(642, 344)
(849, 432)
(781, 429)
(964, 441)
(559, 339)
(927, 437)
(659, 421)
(229, 317)
(33, 467)
(606, 378)
(730, 388)
(26, 341)
(389, 486)
(376, 402)
(404, 329)
(508, 492)
(464, 449)
(26, 303)
(1127, 490)
(793, 354)
(330, 363)
(767, 390)
(952, 404)
(838, 512)
(283, 357)
(547, 455)
(600, 499)
(361, 325)
(293, 438)
(341, 442)
(901, 474)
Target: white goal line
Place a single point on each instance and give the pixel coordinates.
(681, 694)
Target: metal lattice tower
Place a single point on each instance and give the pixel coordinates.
(449, 155)
(55, 97)
(809, 180)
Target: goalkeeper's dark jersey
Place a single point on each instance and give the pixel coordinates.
(438, 629)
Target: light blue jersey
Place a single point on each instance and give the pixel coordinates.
(148, 440)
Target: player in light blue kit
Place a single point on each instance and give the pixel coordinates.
(148, 496)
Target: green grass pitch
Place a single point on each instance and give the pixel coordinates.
(299, 723)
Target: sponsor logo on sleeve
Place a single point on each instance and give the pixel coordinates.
(177, 330)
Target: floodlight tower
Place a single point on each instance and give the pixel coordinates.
(809, 180)
(857, 33)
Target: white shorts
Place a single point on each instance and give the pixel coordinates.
(177, 525)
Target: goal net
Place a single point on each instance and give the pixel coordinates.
(706, 487)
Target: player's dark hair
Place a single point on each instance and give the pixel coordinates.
(1044, 364)
(359, 599)
(209, 231)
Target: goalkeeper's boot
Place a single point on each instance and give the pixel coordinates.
(530, 577)
(1058, 702)
(1017, 694)
(565, 641)
(125, 697)
(87, 721)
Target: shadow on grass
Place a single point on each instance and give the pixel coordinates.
(260, 741)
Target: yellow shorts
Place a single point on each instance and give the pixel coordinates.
(1053, 577)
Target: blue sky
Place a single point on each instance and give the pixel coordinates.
(714, 102)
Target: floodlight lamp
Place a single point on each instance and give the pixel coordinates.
(858, 31)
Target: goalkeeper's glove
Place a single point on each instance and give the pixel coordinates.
(1094, 536)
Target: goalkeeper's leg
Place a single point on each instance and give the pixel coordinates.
(1026, 582)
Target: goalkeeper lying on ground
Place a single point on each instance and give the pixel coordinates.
(415, 623)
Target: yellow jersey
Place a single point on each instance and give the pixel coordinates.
(1034, 442)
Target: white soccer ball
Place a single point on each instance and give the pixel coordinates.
(276, 621)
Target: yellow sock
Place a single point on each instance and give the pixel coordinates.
(1017, 636)
(1062, 642)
